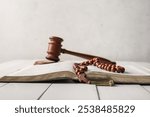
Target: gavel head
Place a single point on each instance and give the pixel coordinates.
(54, 48)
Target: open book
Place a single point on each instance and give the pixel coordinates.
(64, 70)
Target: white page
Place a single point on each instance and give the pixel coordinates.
(129, 70)
(45, 68)
(68, 66)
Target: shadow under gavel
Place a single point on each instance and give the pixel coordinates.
(55, 49)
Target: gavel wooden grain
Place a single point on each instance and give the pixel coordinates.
(55, 49)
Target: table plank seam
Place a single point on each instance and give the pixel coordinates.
(43, 92)
(98, 95)
(146, 89)
(4, 85)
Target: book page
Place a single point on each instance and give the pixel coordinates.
(45, 68)
(130, 69)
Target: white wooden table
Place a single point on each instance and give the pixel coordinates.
(68, 91)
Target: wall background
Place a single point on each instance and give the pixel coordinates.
(115, 29)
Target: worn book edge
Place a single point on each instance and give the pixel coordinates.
(48, 77)
(98, 78)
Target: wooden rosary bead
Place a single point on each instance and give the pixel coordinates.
(75, 65)
(76, 70)
(96, 59)
(90, 62)
(113, 69)
(102, 67)
(81, 68)
(118, 69)
(110, 65)
(83, 63)
(99, 66)
(105, 67)
(82, 77)
(113, 66)
(122, 69)
(108, 68)
(78, 73)
(96, 63)
(87, 63)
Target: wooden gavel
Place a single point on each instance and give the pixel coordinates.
(55, 49)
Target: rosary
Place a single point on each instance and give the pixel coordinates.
(81, 68)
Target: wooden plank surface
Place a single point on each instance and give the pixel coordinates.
(123, 92)
(22, 91)
(71, 92)
(147, 87)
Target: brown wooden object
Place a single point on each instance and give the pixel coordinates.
(55, 49)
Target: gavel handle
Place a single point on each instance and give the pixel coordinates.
(86, 56)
